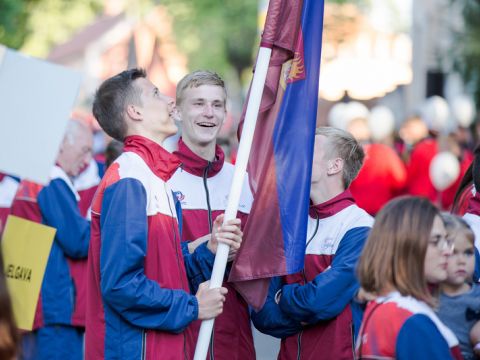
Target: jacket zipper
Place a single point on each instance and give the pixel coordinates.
(353, 340)
(185, 348)
(299, 345)
(144, 345)
(210, 227)
(207, 195)
(178, 257)
(299, 336)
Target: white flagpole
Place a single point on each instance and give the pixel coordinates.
(243, 154)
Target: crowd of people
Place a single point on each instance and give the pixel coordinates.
(387, 274)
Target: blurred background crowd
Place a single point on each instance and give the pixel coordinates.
(402, 76)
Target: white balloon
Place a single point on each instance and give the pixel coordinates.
(444, 170)
(463, 110)
(355, 110)
(435, 112)
(341, 114)
(336, 116)
(381, 122)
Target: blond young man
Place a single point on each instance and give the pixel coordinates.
(202, 184)
(313, 311)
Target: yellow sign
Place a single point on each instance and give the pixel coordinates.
(25, 246)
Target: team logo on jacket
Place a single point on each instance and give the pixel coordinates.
(179, 195)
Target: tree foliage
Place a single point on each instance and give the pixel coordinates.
(36, 25)
(215, 34)
(54, 21)
(14, 16)
(468, 45)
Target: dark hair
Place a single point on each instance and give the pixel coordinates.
(394, 254)
(472, 175)
(114, 150)
(8, 329)
(111, 100)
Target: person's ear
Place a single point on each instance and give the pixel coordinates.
(134, 112)
(225, 113)
(334, 166)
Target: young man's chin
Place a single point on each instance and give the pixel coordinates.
(206, 138)
(170, 130)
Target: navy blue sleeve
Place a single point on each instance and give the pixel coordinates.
(124, 232)
(476, 272)
(328, 293)
(198, 265)
(419, 339)
(59, 209)
(271, 319)
(184, 246)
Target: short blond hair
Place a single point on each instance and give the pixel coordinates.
(196, 79)
(455, 225)
(343, 145)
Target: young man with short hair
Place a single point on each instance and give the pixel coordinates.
(313, 311)
(139, 303)
(202, 185)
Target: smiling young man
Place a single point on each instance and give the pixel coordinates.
(139, 304)
(202, 184)
(54, 335)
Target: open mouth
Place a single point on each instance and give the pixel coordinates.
(206, 124)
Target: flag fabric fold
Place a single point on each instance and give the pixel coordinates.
(281, 156)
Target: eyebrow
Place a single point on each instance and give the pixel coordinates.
(203, 99)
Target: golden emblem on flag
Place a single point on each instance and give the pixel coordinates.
(297, 68)
(294, 69)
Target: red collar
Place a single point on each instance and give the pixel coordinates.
(194, 164)
(332, 206)
(160, 161)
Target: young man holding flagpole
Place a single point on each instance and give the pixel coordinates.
(313, 310)
(202, 185)
(283, 95)
(139, 304)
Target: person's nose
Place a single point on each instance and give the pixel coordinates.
(462, 259)
(173, 110)
(208, 110)
(447, 251)
(87, 158)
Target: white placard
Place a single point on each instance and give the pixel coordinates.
(36, 99)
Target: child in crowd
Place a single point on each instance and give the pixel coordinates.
(405, 254)
(460, 298)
